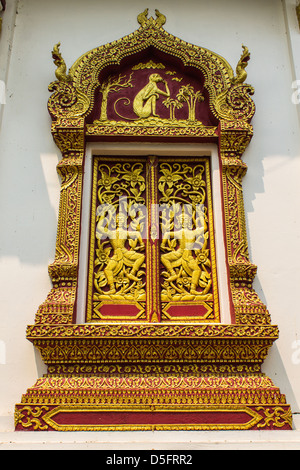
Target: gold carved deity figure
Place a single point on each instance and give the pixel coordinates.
(185, 252)
(117, 268)
(180, 263)
(124, 265)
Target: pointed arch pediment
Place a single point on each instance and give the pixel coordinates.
(76, 94)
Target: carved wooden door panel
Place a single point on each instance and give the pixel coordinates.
(152, 249)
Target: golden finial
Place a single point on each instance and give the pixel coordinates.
(160, 18)
(142, 17)
(241, 73)
(61, 70)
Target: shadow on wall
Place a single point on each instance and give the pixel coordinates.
(270, 165)
(40, 366)
(274, 368)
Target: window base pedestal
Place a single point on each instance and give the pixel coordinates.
(93, 403)
(153, 377)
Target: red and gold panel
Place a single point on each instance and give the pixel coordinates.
(149, 90)
(152, 250)
(189, 289)
(117, 268)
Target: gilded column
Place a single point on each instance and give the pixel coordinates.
(60, 303)
(153, 285)
(234, 139)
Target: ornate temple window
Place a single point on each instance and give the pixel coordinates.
(152, 321)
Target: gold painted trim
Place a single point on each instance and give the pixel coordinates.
(146, 330)
(119, 129)
(153, 287)
(255, 418)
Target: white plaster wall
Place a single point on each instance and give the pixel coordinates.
(29, 186)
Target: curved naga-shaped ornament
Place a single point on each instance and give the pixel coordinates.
(143, 17)
(241, 73)
(235, 103)
(66, 101)
(61, 70)
(160, 18)
(74, 93)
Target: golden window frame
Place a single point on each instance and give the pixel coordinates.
(224, 360)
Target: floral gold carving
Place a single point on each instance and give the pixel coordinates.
(187, 246)
(119, 254)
